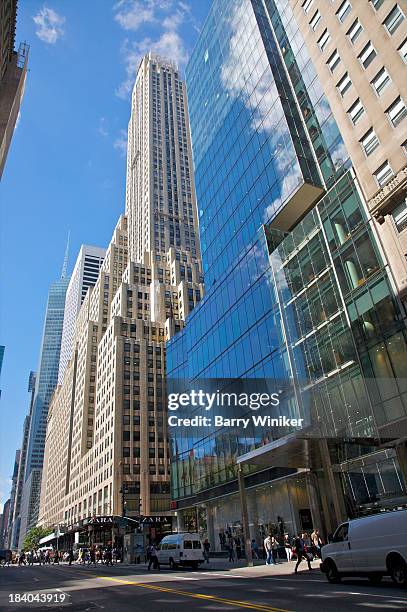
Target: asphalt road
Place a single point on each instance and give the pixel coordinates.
(216, 588)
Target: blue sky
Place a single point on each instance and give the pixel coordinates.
(66, 165)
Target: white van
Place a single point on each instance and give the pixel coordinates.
(180, 549)
(373, 546)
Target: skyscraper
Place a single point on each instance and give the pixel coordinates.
(106, 448)
(13, 70)
(299, 286)
(21, 467)
(45, 383)
(13, 493)
(84, 275)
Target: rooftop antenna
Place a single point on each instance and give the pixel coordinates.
(65, 264)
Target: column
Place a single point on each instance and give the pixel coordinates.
(314, 503)
(401, 452)
(245, 516)
(331, 488)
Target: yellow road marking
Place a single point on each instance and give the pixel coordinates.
(214, 598)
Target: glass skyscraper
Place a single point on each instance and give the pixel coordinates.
(45, 382)
(297, 287)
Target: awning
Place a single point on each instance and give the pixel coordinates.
(48, 538)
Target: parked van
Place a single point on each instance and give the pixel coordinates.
(180, 549)
(373, 546)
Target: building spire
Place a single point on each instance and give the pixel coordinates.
(65, 264)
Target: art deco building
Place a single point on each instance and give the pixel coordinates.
(106, 443)
(298, 126)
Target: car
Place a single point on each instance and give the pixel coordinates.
(184, 549)
(372, 546)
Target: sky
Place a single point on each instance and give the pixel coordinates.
(65, 170)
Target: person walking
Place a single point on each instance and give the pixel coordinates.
(274, 549)
(70, 556)
(316, 542)
(47, 558)
(92, 556)
(56, 558)
(301, 552)
(255, 549)
(153, 560)
(206, 549)
(287, 547)
(21, 559)
(268, 547)
(231, 549)
(238, 543)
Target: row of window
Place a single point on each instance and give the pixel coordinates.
(391, 22)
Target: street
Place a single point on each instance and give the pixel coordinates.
(216, 587)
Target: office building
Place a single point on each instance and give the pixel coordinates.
(45, 383)
(84, 275)
(106, 450)
(13, 70)
(21, 468)
(13, 492)
(303, 283)
(4, 524)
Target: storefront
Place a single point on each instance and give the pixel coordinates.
(279, 506)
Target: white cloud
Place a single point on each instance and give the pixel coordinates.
(169, 16)
(102, 129)
(49, 25)
(169, 45)
(121, 143)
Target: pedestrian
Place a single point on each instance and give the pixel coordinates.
(109, 556)
(30, 557)
(301, 551)
(153, 559)
(317, 543)
(92, 556)
(206, 549)
(255, 549)
(231, 549)
(70, 556)
(274, 549)
(238, 543)
(42, 557)
(47, 558)
(268, 547)
(21, 558)
(287, 547)
(56, 558)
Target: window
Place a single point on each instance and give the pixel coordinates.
(399, 215)
(344, 84)
(397, 112)
(333, 60)
(367, 55)
(344, 10)
(341, 534)
(376, 4)
(355, 30)
(370, 142)
(403, 51)
(381, 80)
(384, 174)
(393, 19)
(356, 111)
(315, 20)
(307, 5)
(324, 40)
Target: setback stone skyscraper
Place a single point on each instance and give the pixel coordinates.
(106, 448)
